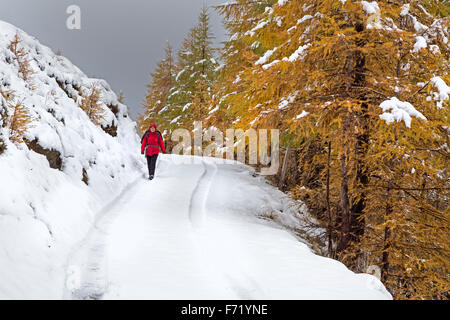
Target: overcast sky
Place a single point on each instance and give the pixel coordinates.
(120, 40)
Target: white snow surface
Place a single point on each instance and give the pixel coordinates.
(399, 111)
(303, 114)
(370, 7)
(265, 58)
(304, 18)
(443, 90)
(195, 232)
(421, 43)
(299, 53)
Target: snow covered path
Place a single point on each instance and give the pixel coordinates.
(193, 233)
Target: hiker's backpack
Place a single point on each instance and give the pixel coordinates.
(148, 132)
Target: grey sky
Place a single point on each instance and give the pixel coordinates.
(120, 40)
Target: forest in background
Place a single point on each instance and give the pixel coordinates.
(358, 90)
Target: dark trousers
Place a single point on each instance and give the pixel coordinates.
(151, 162)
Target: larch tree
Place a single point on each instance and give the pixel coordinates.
(90, 104)
(19, 122)
(193, 90)
(333, 76)
(238, 55)
(23, 61)
(121, 98)
(156, 102)
(3, 118)
(359, 92)
(14, 116)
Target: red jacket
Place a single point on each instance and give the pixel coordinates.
(152, 141)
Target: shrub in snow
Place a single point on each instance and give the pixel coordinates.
(19, 122)
(21, 57)
(90, 105)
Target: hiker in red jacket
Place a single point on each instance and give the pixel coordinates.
(150, 144)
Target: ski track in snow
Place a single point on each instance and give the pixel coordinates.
(197, 216)
(88, 259)
(192, 233)
(197, 206)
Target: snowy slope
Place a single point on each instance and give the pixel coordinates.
(45, 211)
(194, 233)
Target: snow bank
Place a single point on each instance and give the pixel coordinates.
(44, 211)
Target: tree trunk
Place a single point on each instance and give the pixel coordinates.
(284, 168)
(344, 199)
(330, 220)
(387, 236)
(362, 140)
(357, 224)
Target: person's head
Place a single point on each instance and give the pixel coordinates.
(153, 127)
